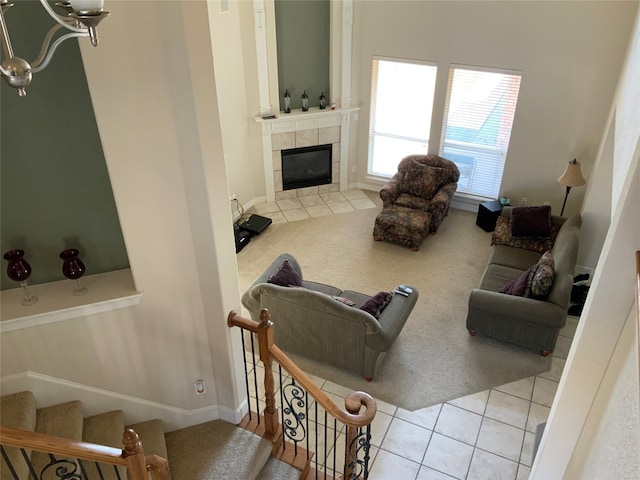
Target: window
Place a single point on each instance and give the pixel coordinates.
(479, 111)
(401, 106)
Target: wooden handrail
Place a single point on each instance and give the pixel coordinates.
(131, 456)
(353, 402)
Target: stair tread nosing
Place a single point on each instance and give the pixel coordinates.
(104, 429)
(151, 435)
(214, 450)
(275, 468)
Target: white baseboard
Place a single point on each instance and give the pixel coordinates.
(51, 391)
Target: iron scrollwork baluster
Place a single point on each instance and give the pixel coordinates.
(293, 425)
(63, 468)
(359, 454)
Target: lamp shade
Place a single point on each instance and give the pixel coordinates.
(572, 176)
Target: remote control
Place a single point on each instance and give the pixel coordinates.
(405, 289)
(400, 292)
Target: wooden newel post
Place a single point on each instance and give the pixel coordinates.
(265, 341)
(351, 452)
(134, 455)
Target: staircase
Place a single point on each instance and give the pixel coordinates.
(212, 450)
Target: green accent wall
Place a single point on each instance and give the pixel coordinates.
(303, 40)
(55, 189)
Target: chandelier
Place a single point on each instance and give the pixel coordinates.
(81, 19)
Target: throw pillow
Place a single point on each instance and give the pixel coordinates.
(518, 286)
(531, 221)
(422, 180)
(541, 278)
(286, 276)
(376, 304)
(502, 236)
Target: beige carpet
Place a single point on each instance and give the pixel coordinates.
(434, 359)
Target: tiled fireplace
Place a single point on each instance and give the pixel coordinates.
(304, 129)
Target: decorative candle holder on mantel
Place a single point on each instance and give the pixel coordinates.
(73, 269)
(19, 270)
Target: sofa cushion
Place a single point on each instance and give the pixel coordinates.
(376, 304)
(286, 276)
(541, 278)
(502, 236)
(531, 221)
(519, 285)
(345, 300)
(422, 180)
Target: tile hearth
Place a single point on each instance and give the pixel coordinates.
(315, 204)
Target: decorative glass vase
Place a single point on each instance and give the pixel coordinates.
(19, 271)
(305, 101)
(73, 268)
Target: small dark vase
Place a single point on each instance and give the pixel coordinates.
(73, 268)
(19, 270)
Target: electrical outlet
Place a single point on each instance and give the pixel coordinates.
(200, 387)
(523, 201)
(354, 169)
(233, 198)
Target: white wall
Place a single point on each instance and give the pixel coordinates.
(570, 54)
(154, 92)
(578, 402)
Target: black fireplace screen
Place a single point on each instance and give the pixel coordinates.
(306, 167)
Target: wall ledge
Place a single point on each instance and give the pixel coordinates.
(106, 291)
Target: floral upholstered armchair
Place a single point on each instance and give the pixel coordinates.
(423, 182)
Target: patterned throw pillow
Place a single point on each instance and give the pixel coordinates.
(502, 236)
(286, 276)
(422, 180)
(541, 278)
(376, 304)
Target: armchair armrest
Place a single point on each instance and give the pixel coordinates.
(391, 190)
(443, 196)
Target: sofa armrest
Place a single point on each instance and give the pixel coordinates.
(391, 190)
(392, 319)
(519, 308)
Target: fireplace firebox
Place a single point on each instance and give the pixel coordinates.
(306, 166)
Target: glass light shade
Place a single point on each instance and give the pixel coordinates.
(86, 5)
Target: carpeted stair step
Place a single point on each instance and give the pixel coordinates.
(104, 429)
(151, 435)
(216, 450)
(63, 420)
(275, 468)
(17, 410)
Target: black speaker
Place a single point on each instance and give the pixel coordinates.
(242, 237)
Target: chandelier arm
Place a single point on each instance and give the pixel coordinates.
(6, 41)
(64, 21)
(45, 45)
(38, 67)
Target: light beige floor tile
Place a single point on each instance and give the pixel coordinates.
(289, 204)
(386, 407)
(319, 211)
(427, 473)
(339, 456)
(476, 402)
(387, 466)
(448, 456)
(339, 401)
(485, 465)
(562, 347)
(425, 417)
(537, 414)
(307, 191)
(286, 195)
(523, 472)
(320, 441)
(362, 203)
(521, 388)
(526, 456)
(569, 330)
(459, 424)
(311, 200)
(333, 197)
(507, 409)
(501, 439)
(406, 439)
(341, 207)
(544, 391)
(278, 217)
(379, 428)
(555, 372)
(296, 214)
(354, 193)
(267, 207)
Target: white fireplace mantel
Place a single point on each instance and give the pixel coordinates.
(298, 120)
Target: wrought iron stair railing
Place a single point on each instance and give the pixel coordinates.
(310, 431)
(73, 460)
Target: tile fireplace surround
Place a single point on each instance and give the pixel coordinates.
(306, 129)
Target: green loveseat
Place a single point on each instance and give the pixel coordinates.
(309, 322)
(529, 322)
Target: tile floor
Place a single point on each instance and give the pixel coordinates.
(313, 205)
(488, 435)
